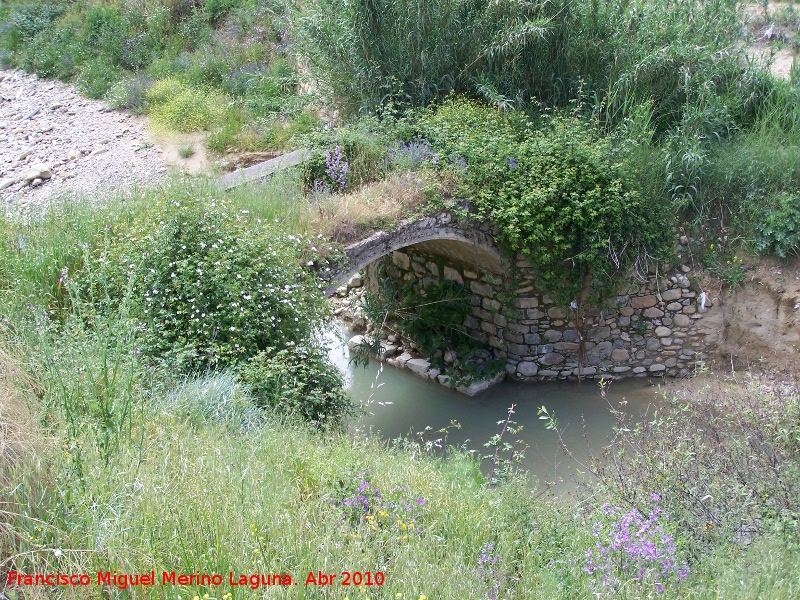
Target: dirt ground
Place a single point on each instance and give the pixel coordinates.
(773, 35)
(760, 321)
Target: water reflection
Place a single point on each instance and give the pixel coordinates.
(401, 404)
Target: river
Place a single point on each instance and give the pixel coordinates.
(402, 404)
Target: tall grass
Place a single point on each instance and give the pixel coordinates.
(411, 52)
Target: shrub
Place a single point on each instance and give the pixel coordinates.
(779, 232)
(563, 194)
(214, 289)
(298, 381)
(176, 106)
(633, 548)
(54, 53)
(27, 21)
(130, 94)
(96, 78)
(724, 462)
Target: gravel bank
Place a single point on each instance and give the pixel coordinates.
(53, 142)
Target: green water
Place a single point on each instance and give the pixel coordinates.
(402, 404)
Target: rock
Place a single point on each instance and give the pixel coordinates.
(620, 355)
(404, 358)
(643, 301)
(482, 289)
(355, 343)
(450, 274)
(682, 321)
(356, 281)
(449, 356)
(670, 295)
(5, 183)
(401, 260)
(476, 387)
(73, 154)
(526, 302)
(551, 358)
(556, 312)
(33, 113)
(653, 313)
(419, 366)
(24, 155)
(389, 350)
(662, 331)
(36, 182)
(36, 171)
(657, 368)
(553, 335)
(683, 281)
(527, 369)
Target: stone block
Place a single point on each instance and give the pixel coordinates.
(566, 346)
(620, 355)
(551, 359)
(526, 302)
(482, 289)
(571, 335)
(689, 310)
(490, 304)
(670, 295)
(516, 338)
(527, 369)
(557, 312)
(532, 338)
(519, 349)
(657, 368)
(662, 331)
(553, 335)
(682, 321)
(450, 274)
(599, 333)
(534, 313)
(488, 327)
(643, 301)
(517, 328)
(653, 313)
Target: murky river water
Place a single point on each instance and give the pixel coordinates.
(402, 404)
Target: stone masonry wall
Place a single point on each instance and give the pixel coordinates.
(653, 327)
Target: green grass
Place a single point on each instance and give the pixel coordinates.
(132, 466)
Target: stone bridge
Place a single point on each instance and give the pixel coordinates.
(471, 242)
(655, 325)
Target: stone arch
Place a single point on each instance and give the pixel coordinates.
(471, 243)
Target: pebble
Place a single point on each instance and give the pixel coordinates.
(34, 133)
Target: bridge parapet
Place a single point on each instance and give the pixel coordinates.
(475, 240)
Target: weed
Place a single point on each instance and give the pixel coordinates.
(186, 152)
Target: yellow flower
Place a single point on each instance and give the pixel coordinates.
(398, 595)
(196, 598)
(423, 597)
